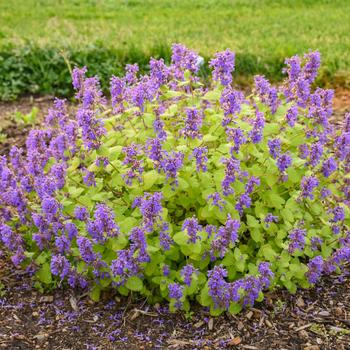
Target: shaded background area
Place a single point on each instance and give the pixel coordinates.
(39, 39)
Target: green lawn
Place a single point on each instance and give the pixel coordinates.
(105, 34)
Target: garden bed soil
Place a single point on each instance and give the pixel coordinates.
(315, 319)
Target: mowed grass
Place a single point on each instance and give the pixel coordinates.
(261, 32)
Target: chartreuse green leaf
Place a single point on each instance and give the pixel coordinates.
(134, 283)
(149, 179)
(44, 274)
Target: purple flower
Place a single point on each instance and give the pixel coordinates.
(300, 78)
(315, 153)
(294, 68)
(117, 89)
(60, 266)
(265, 274)
(320, 107)
(237, 136)
(151, 207)
(256, 133)
(284, 161)
(338, 214)
(313, 62)
(316, 243)
(297, 240)
(223, 65)
(247, 288)
(104, 225)
(71, 230)
(102, 161)
(50, 207)
(85, 249)
(132, 158)
(18, 257)
(186, 273)
(131, 73)
(340, 256)
(342, 145)
(78, 76)
(63, 244)
(89, 178)
(139, 245)
(81, 213)
(176, 292)
(270, 218)
(192, 226)
(292, 115)
(159, 72)
(219, 289)
(154, 150)
(231, 101)
(252, 182)
(58, 172)
(217, 200)
(193, 124)
(308, 184)
(274, 147)
(158, 126)
(144, 91)
(244, 201)
(165, 270)
(124, 266)
(210, 230)
(10, 239)
(92, 128)
(329, 166)
(232, 170)
(267, 93)
(315, 267)
(183, 59)
(171, 164)
(164, 238)
(200, 154)
(304, 151)
(226, 234)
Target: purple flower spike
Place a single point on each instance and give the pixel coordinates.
(297, 240)
(186, 273)
(329, 167)
(192, 226)
(308, 184)
(223, 65)
(284, 161)
(274, 147)
(200, 154)
(176, 292)
(315, 269)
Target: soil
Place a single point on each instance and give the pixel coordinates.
(314, 319)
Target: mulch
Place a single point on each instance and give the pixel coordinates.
(314, 319)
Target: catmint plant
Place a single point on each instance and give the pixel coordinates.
(181, 190)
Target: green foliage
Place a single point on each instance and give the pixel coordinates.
(26, 119)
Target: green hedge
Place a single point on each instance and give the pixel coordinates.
(35, 70)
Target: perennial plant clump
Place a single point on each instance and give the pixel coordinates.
(181, 191)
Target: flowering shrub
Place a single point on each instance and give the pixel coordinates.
(180, 191)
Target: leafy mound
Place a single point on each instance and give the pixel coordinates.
(181, 191)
